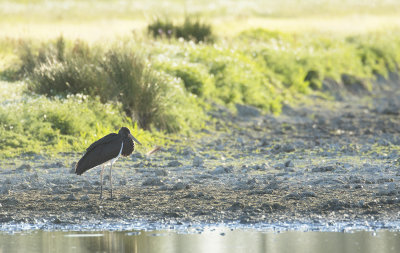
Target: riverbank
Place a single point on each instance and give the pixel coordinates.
(329, 162)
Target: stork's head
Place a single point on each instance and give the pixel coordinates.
(124, 131)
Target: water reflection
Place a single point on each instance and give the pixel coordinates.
(211, 241)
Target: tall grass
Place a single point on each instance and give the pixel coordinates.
(117, 74)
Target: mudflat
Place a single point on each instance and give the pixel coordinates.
(324, 161)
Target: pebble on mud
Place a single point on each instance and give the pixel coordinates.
(247, 111)
(11, 201)
(180, 186)
(125, 198)
(71, 197)
(85, 198)
(288, 148)
(153, 182)
(161, 173)
(289, 163)
(174, 164)
(222, 170)
(323, 168)
(25, 167)
(198, 161)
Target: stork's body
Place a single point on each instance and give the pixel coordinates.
(107, 149)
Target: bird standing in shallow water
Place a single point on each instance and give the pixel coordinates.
(107, 149)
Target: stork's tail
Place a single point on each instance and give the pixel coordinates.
(80, 168)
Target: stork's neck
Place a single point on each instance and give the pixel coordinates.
(120, 151)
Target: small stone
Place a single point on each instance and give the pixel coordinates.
(24, 167)
(236, 206)
(71, 197)
(24, 186)
(247, 111)
(56, 198)
(222, 170)
(11, 201)
(387, 192)
(136, 155)
(288, 148)
(57, 221)
(289, 163)
(125, 198)
(161, 173)
(5, 190)
(153, 182)
(289, 169)
(122, 181)
(280, 166)
(174, 164)
(264, 143)
(308, 194)
(54, 165)
(180, 186)
(198, 162)
(323, 168)
(188, 151)
(85, 198)
(293, 195)
(263, 167)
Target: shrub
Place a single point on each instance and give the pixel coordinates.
(195, 77)
(139, 88)
(114, 75)
(238, 78)
(194, 30)
(37, 123)
(162, 28)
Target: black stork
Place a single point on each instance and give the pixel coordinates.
(107, 149)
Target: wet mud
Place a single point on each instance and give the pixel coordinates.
(321, 161)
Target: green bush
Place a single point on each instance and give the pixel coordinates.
(238, 78)
(117, 74)
(195, 77)
(140, 89)
(39, 123)
(194, 30)
(162, 28)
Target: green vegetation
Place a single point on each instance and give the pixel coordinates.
(74, 91)
(116, 74)
(194, 30)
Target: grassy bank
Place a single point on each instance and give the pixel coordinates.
(67, 92)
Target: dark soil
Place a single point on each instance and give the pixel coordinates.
(319, 161)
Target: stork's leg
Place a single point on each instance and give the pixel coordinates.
(101, 181)
(111, 180)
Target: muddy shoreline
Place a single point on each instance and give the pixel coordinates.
(330, 162)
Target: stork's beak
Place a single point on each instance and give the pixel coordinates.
(133, 138)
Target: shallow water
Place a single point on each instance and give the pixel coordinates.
(212, 240)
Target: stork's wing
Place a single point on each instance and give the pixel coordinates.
(99, 152)
(106, 139)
